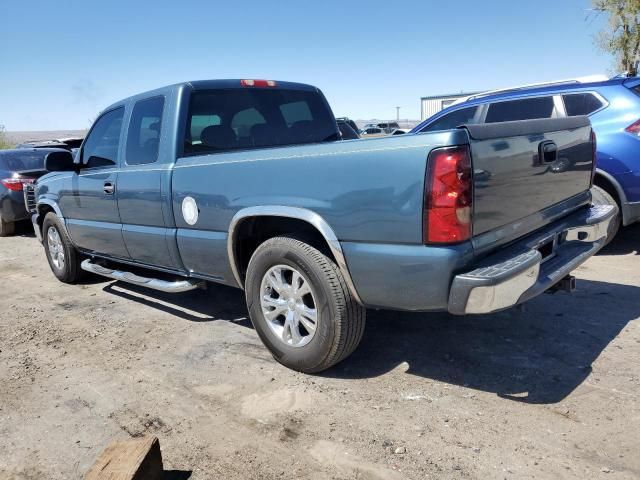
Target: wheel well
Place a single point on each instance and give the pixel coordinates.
(43, 210)
(254, 231)
(605, 184)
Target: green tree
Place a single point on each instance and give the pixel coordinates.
(4, 143)
(621, 37)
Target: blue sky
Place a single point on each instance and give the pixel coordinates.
(63, 61)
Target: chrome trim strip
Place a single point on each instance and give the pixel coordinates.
(290, 212)
(153, 283)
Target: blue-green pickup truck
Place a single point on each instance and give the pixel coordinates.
(248, 183)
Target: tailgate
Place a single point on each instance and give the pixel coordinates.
(528, 174)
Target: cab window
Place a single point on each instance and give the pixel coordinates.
(223, 120)
(101, 146)
(143, 138)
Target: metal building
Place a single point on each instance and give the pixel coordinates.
(432, 105)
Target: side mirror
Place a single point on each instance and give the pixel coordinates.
(61, 161)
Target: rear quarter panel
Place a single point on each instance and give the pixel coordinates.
(367, 191)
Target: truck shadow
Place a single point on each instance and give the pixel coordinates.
(536, 355)
(25, 229)
(216, 303)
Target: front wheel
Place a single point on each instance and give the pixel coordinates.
(63, 257)
(300, 305)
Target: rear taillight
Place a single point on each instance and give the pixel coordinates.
(594, 151)
(258, 83)
(634, 128)
(16, 184)
(448, 196)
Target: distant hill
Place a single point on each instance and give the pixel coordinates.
(20, 137)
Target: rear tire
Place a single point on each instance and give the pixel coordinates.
(6, 228)
(62, 256)
(600, 196)
(339, 319)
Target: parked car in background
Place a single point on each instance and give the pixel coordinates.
(66, 143)
(400, 131)
(348, 121)
(18, 167)
(247, 185)
(613, 107)
(373, 131)
(380, 128)
(388, 127)
(348, 128)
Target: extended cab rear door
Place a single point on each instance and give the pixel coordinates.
(144, 184)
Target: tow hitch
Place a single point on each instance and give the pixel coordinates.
(567, 284)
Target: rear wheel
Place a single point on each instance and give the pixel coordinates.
(62, 256)
(6, 228)
(600, 196)
(300, 305)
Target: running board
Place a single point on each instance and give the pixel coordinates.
(154, 283)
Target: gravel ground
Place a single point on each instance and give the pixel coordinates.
(548, 391)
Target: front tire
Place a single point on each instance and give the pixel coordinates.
(300, 305)
(599, 196)
(63, 257)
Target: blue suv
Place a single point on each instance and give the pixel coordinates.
(614, 110)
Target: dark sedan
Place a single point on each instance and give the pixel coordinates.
(18, 167)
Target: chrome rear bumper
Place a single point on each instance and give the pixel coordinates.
(520, 272)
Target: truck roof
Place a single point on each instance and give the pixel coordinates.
(210, 85)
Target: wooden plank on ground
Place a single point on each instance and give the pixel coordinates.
(134, 459)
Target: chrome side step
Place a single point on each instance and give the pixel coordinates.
(154, 283)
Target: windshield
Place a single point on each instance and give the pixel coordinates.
(234, 119)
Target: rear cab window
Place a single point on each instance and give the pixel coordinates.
(521, 109)
(245, 118)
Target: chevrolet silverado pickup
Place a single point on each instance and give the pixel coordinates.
(247, 183)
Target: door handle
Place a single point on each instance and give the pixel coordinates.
(547, 152)
(109, 188)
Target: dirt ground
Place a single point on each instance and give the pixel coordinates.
(549, 391)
